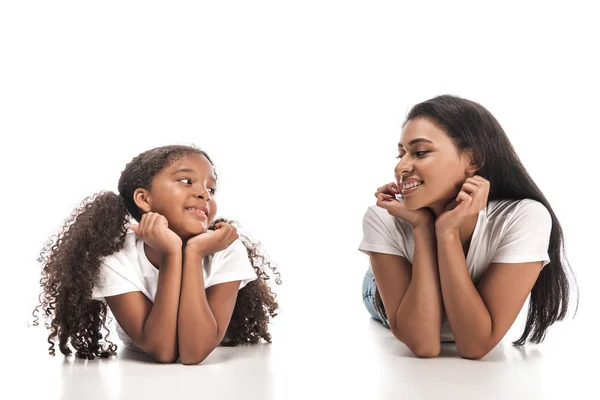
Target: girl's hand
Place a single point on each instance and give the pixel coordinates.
(211, 242)
(471, 199)
(154, 230)
(386, 198)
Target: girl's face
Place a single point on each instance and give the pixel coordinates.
(184, 193)
(430, 160)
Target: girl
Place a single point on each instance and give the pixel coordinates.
(462, 237)
(173, 282)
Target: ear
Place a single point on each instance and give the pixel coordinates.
(471, 166)
(142, 199)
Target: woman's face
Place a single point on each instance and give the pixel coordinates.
(431, 171)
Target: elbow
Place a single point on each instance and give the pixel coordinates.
(472, 355)
(422, 346)
(473, 352)
(194, 357)
(425, 349)
(195, 353)
(165, 357)
(162, 354)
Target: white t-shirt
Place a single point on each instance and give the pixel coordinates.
(507, 231)
(130, 271)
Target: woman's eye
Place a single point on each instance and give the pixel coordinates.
(212, 191)
(421, 153)
(187, 181)
(399, 157)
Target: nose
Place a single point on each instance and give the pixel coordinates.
(203, 193)
(404, 167)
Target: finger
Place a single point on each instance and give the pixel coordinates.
(474, 181)
(233, 234)
(231, 237)
(380, 190)
(134, 228)
(381, 200)
(463, 197)
(152, 218)
(220, 226)
(143, 224)
(161, 220)
(484, 182)
(222, 230)
(470, 188)
(390, 188)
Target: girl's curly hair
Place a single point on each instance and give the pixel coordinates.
(72, 260)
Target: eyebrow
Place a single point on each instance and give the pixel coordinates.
(191, 171)
(417, 140)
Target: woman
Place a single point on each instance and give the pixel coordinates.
(462, 237)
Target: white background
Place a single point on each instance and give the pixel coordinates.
(300, 105)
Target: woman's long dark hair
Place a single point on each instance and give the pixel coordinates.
(72, 259)
(473, 128)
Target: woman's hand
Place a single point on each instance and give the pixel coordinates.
(211, 242)
(386, 198)
(154, 231)
(471, 199)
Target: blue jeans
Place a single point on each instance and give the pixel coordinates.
(368, 291)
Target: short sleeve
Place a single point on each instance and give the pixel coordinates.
(381, 234)
(526, 235)
(231, 264)
(115, 278)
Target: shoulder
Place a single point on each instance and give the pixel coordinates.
(127, 254)
(517, 209)
(229, 264)
(377, 216)
(235, 250)
(513, 216)
(121, 272)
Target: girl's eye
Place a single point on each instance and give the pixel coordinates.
(212, 191)
(187, 181)
(399, 157)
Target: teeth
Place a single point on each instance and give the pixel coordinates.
(411, 185)
(195, 209)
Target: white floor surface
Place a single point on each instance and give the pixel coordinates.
(324, 346)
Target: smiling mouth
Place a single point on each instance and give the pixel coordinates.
(411, 187)
(201, 214)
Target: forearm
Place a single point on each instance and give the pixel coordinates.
(198, 332)
(419, 315)
(468, 316)
(159, 335)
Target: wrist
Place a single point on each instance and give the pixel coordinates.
(424, 225)
(170, 257)
(447, 233)
(193, 252)
(171, 250)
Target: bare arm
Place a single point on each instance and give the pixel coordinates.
(480, 316)
(411, 294)
(204, 315)
(153, 327)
